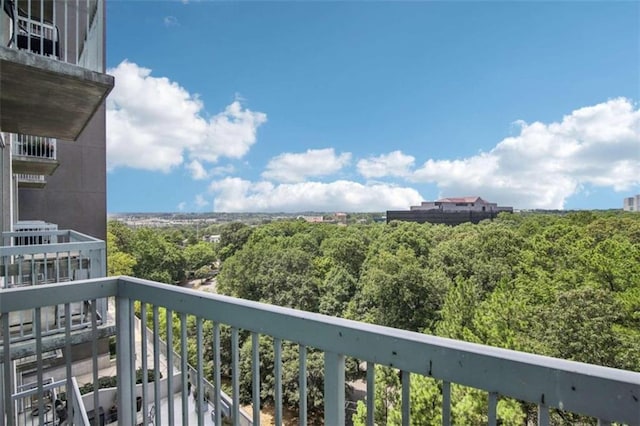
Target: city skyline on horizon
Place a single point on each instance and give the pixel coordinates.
(356, 107)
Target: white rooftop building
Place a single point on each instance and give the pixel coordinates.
(461, 204)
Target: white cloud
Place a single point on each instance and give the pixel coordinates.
(197, 170)
(547, 163)
(238, 195)
(296, 167)
(170, 21)
(392, 164)
(200, 201)
(222, 170)
(181, 206)
(154, 123)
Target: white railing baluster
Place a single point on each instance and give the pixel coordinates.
(42, 33)
(66, 30)
(144, 354)
(255, 376)
(446, 403)
(277, 372)
(333, 388)
(57, 267)
(38, 335)
(184, 369)
(56, 42)
(8, 367)
(77, 26)
(68, 358)
(29, 25)
(156, 365)
(217, 382)
(371, 400)
(406, 398)
(493, 409)
(126, 375)
(169, 320)
(86, 30)
(94, 354)
(235, 375)
(302, 378)
(200, 372)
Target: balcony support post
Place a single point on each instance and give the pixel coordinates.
(333, 388)
(98, 270)
(7, 373)
(126, 376)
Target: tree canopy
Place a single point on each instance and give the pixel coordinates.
(560, 285)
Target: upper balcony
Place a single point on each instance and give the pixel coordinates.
(604, 393)
(52, 61)
(35, 155)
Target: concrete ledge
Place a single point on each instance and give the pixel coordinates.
(34, 165)
(45, 97)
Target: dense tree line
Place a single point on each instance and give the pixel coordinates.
(566, 286)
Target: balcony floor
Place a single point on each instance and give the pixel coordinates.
(33, 165)
(42, 96)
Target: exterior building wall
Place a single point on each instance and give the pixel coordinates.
(75, 195)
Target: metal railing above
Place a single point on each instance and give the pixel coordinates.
(604, 393)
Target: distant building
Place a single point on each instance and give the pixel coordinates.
(340, 218)
(450, 211)
(312, 219)
(632, 204)
(211, 238)
(462, 204)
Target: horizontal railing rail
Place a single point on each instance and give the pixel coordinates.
(604, 393)
(70, 31)
(66, 240)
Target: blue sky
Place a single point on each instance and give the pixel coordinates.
(369, 106)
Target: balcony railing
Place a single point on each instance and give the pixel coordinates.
(33, 146)
(33, 155)
(33, 257)
(604, 393)
(27, 180)
(70, 31)
(49, 256)
(33, 226)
